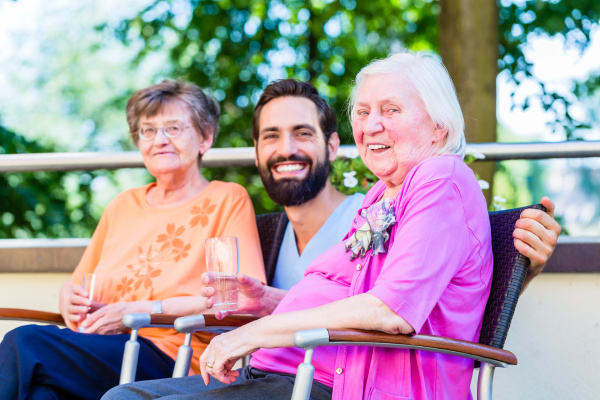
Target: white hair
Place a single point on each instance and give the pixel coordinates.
(433, 83)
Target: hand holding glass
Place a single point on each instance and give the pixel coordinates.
(94, 288)
(222, 265)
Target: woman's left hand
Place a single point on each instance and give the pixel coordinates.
(224, 351)
(108, 319)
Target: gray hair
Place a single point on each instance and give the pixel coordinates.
(433, 83)
(204, 108)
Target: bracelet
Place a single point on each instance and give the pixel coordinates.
(157, 307)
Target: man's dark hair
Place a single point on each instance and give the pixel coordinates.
(294, 88)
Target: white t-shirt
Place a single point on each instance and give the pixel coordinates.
(291, 265)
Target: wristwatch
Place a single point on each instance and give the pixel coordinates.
(156, 307)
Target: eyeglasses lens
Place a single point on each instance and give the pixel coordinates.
(171, 131)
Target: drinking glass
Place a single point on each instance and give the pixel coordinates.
(95, 288)
(222, 264)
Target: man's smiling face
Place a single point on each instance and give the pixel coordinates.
(292, 156)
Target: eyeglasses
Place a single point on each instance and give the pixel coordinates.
(170, 131)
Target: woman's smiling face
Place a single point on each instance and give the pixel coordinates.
(163, 155)
(392, 129)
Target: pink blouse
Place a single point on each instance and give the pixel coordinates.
(436, 275)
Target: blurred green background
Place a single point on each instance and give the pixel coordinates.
(67, 69)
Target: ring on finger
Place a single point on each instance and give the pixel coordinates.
(209, 365)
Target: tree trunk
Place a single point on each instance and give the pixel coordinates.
(469, 49)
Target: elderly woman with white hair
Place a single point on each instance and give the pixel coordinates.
(417, 259)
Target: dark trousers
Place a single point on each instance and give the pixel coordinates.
(45, 362)
(252, 384)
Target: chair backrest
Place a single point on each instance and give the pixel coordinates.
(510, 268)
(271, 228)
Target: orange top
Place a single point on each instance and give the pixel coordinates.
(153, 254)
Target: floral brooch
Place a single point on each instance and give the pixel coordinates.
(373, 234)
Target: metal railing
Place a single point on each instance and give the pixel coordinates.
(244, 156)
(61, 255)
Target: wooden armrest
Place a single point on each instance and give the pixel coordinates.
(19, 314)
(425, 342)
(210, 320)
(163, 319)
(232, 320)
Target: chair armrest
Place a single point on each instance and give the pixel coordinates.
(234, 321)
(136, 322)
(145, 320)
(185, 324)
(207, 322)
(355, 337)
(163, 319)
(19, 314)
(194, 323)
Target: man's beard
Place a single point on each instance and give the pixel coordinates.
(289, 192)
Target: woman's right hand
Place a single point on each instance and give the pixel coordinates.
(73, 301)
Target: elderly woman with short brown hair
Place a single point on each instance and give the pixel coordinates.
(149, 244)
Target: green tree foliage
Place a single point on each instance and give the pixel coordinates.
(64, 88)
(237, 47)
(43, 204)
(572, 19)
(588, 91)
(350, 175)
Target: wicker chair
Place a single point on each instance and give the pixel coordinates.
(510, 268)
(271, 228)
